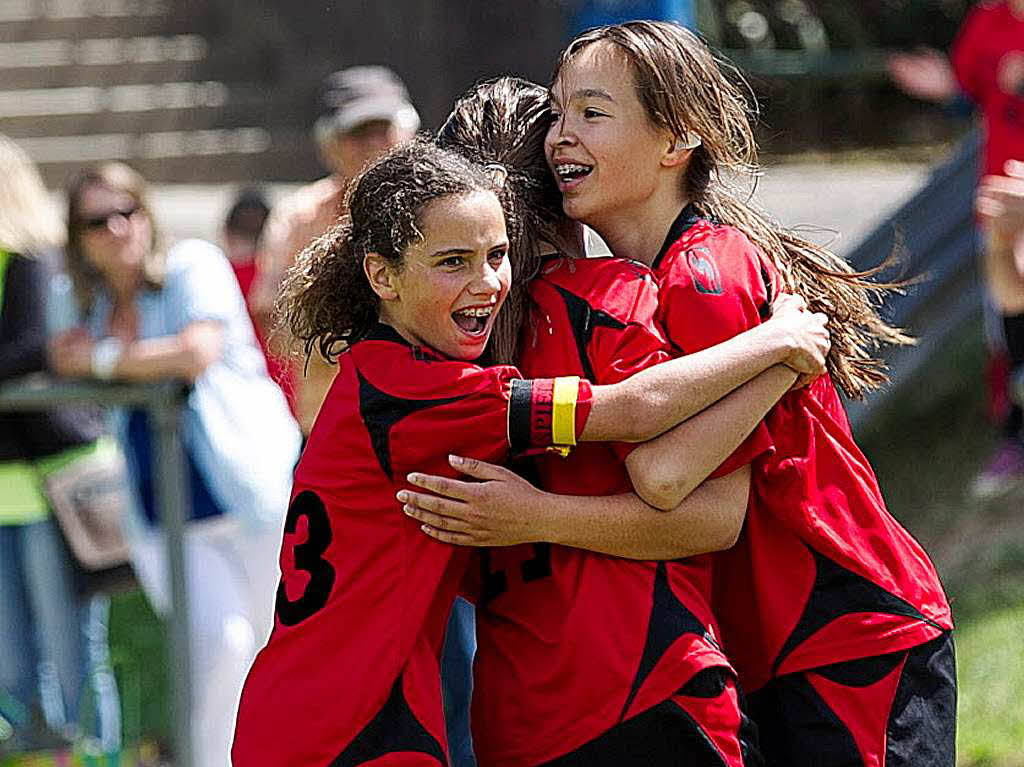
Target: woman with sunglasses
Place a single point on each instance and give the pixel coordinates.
(153, 314)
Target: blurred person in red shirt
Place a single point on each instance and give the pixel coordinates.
(986, 68)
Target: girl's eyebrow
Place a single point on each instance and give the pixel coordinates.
(593, 93)
(451, 252)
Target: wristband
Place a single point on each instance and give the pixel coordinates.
(106, 353)
(548, 413)
(563, 411)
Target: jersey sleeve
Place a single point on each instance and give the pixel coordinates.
(616, 353)
(709, 293)
(449, 406)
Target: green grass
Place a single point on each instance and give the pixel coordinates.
(990, 654)
(138, 650)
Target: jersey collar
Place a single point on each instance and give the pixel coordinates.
(383, 332)
(687, 217)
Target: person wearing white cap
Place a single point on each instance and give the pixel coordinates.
(365, 110)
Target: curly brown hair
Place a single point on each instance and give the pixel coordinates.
(504, 121)
(685, 88)
(326, 302)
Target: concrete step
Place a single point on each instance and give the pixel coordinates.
(25, 20)
(88, 100)
(31, 10)
(143, 108)
(77, 76)
(101, 51)
(246, 153)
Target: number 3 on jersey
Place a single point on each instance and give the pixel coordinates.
(307, 555)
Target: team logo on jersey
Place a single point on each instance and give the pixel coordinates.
(706, 278)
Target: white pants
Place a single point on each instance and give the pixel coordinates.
(231, 576)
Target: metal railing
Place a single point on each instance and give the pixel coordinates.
(163, 402)
(934, 239)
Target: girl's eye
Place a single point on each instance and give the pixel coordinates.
(451, 261)
(497, 256)
(591, 113)
(554, 117)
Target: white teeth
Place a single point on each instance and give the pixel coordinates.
(483, 311)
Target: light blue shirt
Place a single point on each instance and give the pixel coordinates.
(236, 423)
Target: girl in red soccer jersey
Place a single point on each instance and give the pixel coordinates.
(830, 611)
(409, 287)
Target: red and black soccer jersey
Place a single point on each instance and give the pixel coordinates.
(350, 672)
(570, 643)
(822, 572)
(988, 59)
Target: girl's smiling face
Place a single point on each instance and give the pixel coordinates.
(453, 281)
(604, 151)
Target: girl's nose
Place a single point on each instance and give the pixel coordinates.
(488, 282)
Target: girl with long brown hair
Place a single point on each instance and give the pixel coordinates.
(828, 608)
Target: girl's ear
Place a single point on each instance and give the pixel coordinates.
(680, 149)
(380, 276)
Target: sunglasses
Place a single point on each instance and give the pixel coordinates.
(96, 223)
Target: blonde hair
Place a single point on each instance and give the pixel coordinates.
(28, 221)
(117, 177)
(686, 89)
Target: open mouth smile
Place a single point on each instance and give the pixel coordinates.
(474, 320)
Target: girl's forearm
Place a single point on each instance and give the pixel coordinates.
(184, 355)
(654, 400)
(667, 469)
(624, 526)
(1004, 279)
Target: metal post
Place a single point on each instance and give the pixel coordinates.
(163, 402)
(169, 472)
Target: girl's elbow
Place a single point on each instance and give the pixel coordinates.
(662, 493)
(730, 535)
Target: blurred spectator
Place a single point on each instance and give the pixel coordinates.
(53, 640)
(365, 111)
(1000, 205)
(153, 314)
(243, 227)
(986, 69)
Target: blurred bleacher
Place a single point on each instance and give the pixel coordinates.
(90, 80)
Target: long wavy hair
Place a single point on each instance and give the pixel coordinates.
(685, 88)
